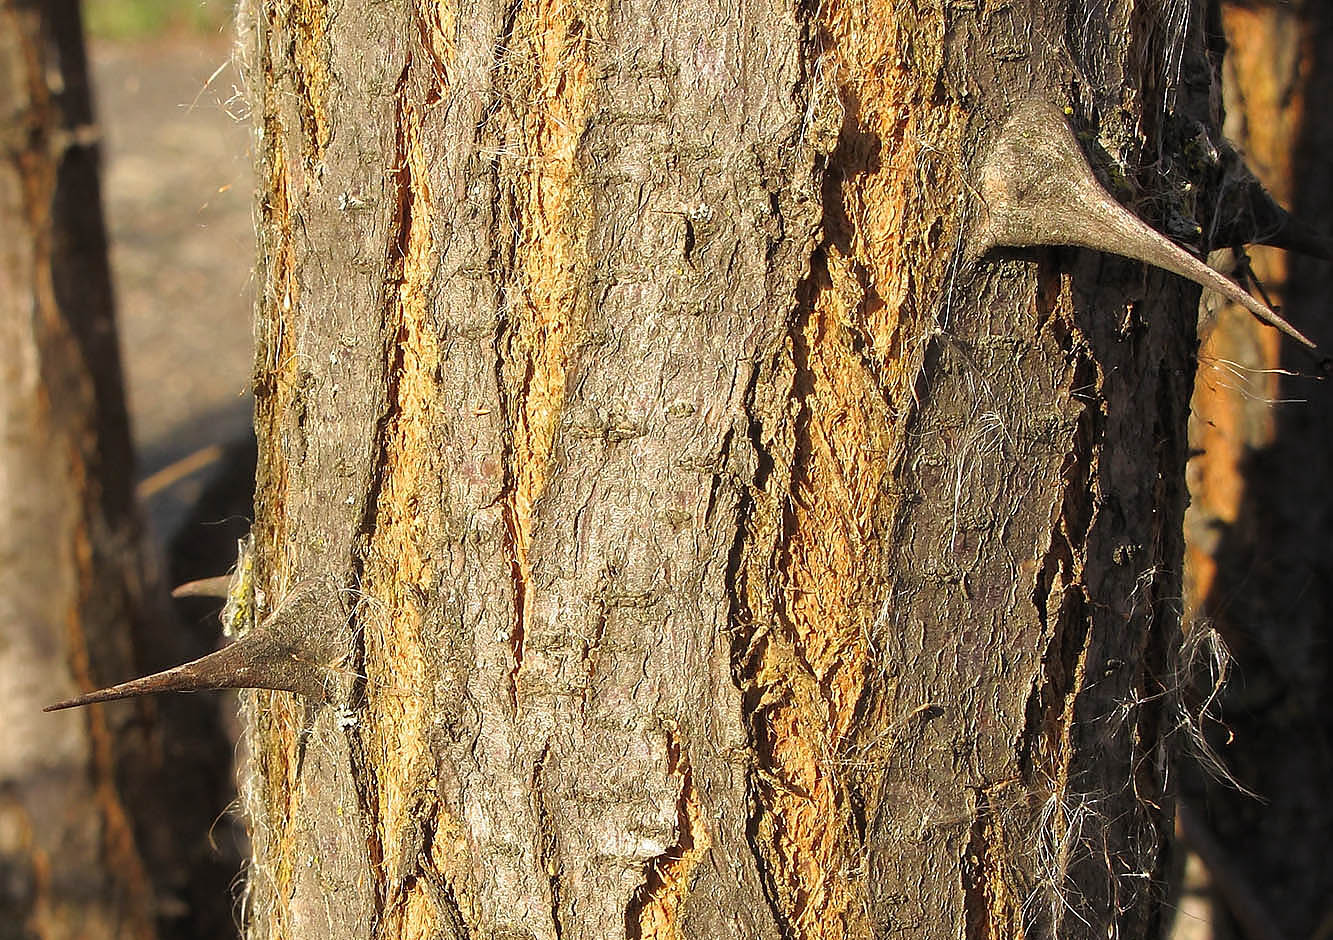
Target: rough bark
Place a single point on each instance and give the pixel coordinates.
(1260, 509)
(707, 549)
(103, 814)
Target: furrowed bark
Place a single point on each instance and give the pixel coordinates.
(725, 554)
(104, 815)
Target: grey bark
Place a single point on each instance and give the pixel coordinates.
(538, 713)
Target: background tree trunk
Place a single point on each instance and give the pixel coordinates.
(104, 814)
(706, 550)
(1260, 512)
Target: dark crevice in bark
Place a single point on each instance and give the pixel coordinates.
(301, 29)
(1067, 626)
(802, 387)
(508, 486)
(976, 906)
(766, 882)
(396, 250)
(742, 621)
(503, 263)
(518, 637)
(547, 847)
(442, 891)
(719, 476)
(434, 92)
(498, 55)
(748, 644)
(853, 155)
(654, 881)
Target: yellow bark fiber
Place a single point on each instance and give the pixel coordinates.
(888, 243)
(282, 288)
(903, 154)
(398, 568)
(658, 907)
(269, 791)
(307, 20)
(281, 294)
(555, 45)
(269, 786)
(833, 510)
(441, 24)
(1001, 918)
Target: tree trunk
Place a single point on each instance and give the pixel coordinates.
(705, 541)
(1260, 511)
(104, 815)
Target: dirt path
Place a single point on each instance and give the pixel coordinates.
(177, 187)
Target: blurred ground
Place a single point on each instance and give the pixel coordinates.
(177, 188)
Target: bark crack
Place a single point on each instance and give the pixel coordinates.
(655, 908)
(502, 264)
(991, 909)
(362, 765)
(1046, 748)
(742, 617)
(548, 839)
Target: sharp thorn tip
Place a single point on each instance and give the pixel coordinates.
(204, 587)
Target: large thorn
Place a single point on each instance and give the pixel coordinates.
(292, 650)
(1037, 189)
(253, 662)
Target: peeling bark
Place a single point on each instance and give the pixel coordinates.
(726, 552)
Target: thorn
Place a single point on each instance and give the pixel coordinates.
(252, 662)
(1038, 189)
(1247, 214)
(289, 651)
(218, 587)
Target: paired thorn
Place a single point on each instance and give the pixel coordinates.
(1247, 214)
(288, 651)
(1037, 188)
